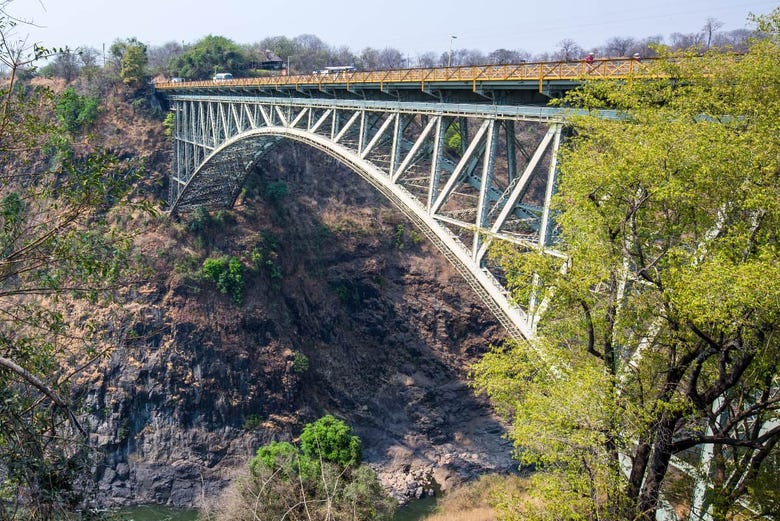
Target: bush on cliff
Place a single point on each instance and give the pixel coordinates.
(228, 275)
(321, 479)
(76, 112)
(331, 440)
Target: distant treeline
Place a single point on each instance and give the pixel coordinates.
(136, 62)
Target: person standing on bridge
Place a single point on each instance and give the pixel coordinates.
(589, 61)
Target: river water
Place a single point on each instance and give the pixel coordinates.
(413, 511)
(156, 513)
(416, 510)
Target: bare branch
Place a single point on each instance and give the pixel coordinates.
(45, 389)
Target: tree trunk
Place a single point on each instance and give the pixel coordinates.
(638, 468)
(656, 471)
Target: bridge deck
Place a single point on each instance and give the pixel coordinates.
(541, 77)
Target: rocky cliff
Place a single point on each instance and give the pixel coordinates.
(345, 311)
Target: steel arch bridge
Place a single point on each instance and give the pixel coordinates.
(466, 175)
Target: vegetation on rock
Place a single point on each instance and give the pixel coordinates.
(227, 273)
(76, 112)
(320, 479)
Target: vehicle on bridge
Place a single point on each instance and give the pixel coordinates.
(335, 70)
(222, 76)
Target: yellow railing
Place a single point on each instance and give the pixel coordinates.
(536, 71)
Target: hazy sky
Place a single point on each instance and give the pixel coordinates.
(412, 26)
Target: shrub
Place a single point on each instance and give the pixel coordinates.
(207, 226)
(350, 293)
(479, 500)
(277, 454)
(399, 236)
(264, 255)
(76, 112)
(252, 422)
(168, 123)
(331, 440)
(276, 191)
(199, 220)
(401, 233)
(228, 275)
(11, 212)
(300, 363)
(288, 482)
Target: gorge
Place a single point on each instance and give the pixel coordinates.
(386, 327)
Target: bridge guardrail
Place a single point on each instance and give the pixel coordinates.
(606, 68)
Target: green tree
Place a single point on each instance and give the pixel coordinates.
(332, 440)
(321, 480)
(660, 342)
(276, 192)
(169, 123)
(76, 112)
(130, 58)
(209, 55)
(60, 253)
(300, 363)
(134, 60)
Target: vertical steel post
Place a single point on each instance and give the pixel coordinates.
(552, 175)
(486, 179)
(544, 226)
(511, 150)
(362, 131)
(395, 151)
(334, 124)
(438, 147)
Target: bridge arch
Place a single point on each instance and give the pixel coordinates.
(456, 196)
(512, 317)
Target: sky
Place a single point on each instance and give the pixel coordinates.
(411, 26)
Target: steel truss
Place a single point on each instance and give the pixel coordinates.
(465, 175)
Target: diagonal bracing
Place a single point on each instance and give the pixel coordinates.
(462, 173)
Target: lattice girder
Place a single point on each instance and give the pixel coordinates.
(462, 173)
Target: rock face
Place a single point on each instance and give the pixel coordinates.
(345, 311)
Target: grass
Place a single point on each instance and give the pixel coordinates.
(475, 501)
(472, 514)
